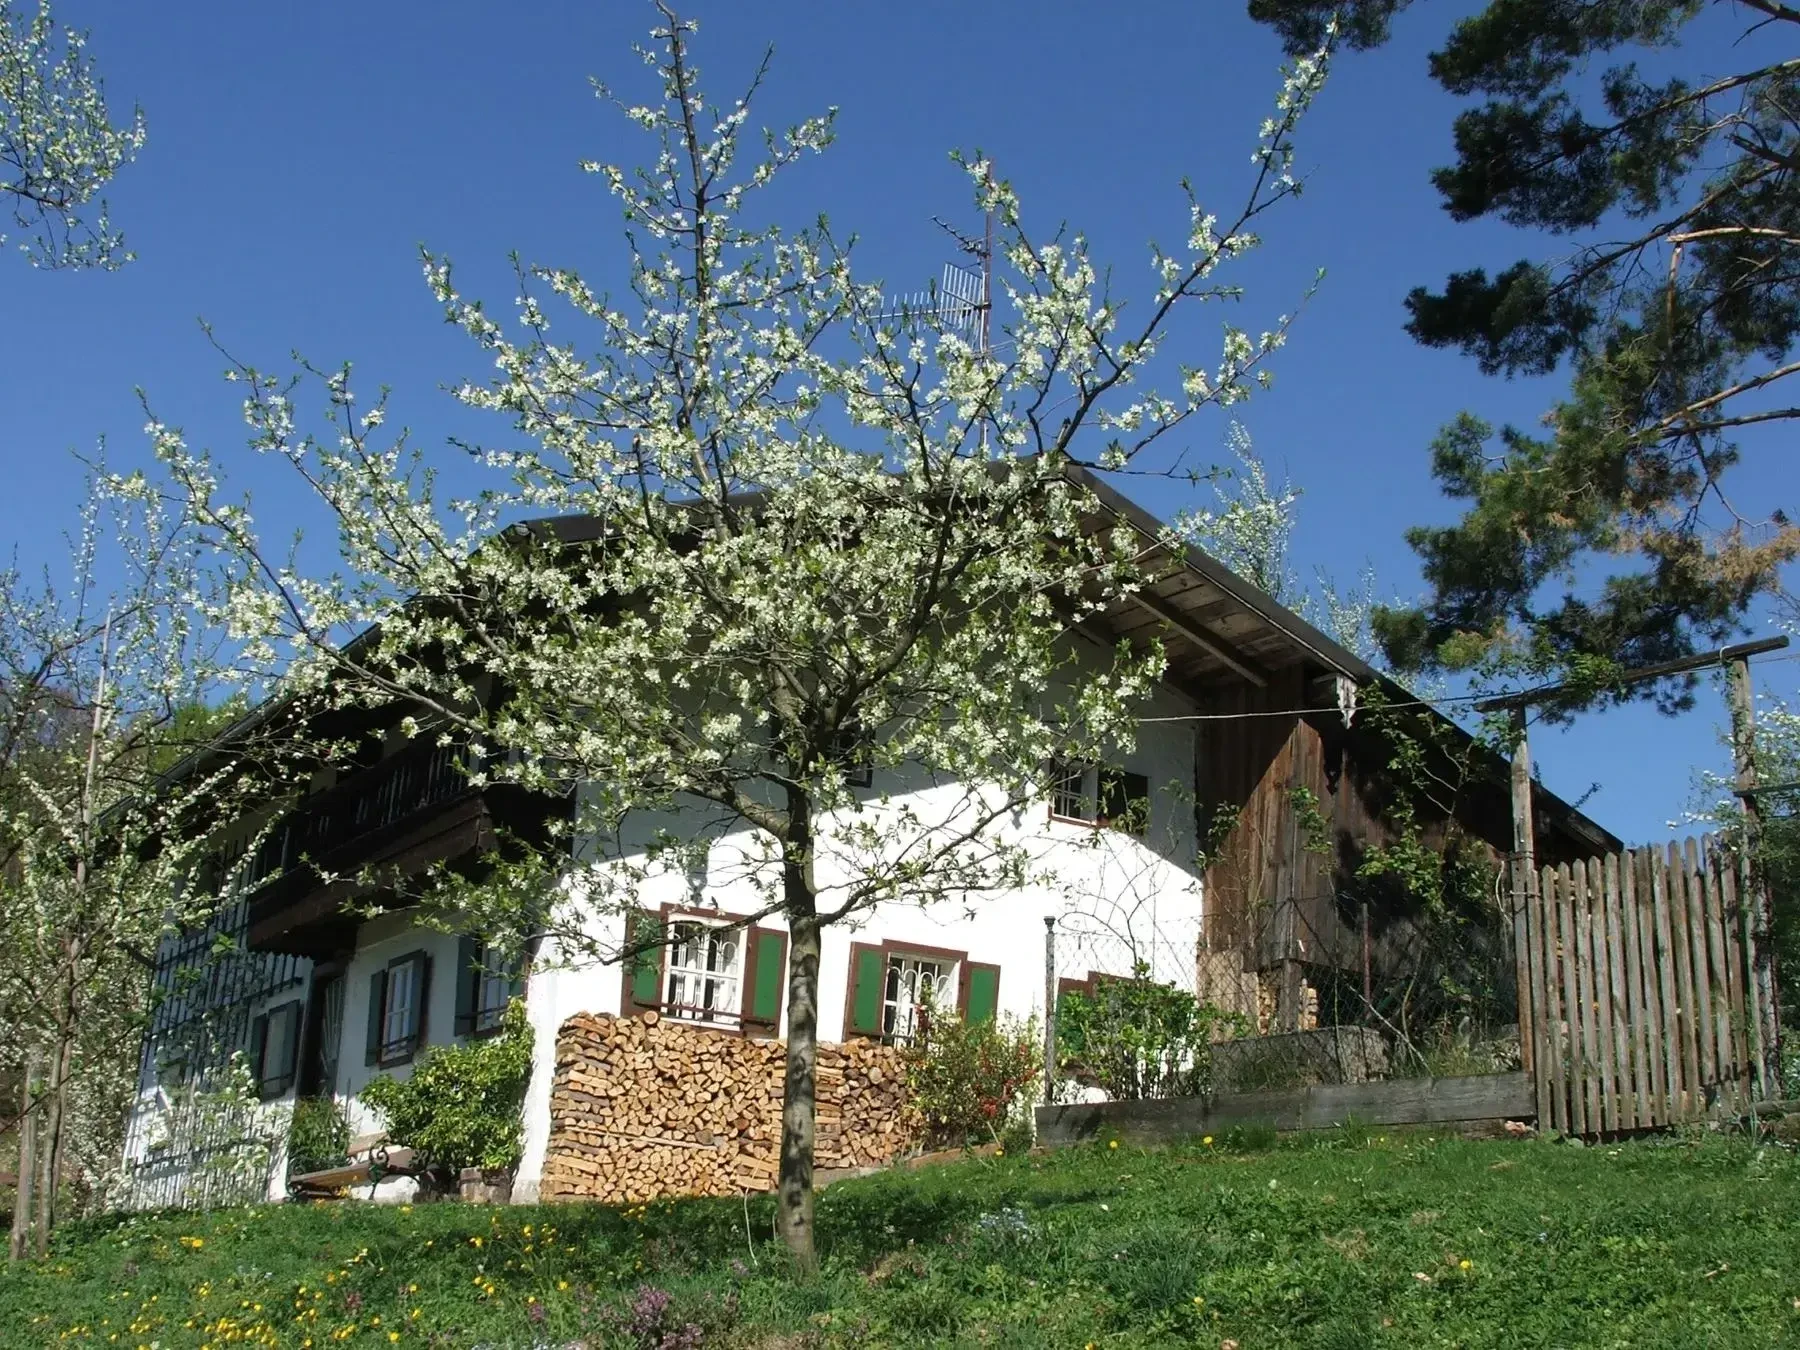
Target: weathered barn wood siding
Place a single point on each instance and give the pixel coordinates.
(1268, 893)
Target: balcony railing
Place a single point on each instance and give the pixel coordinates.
(366, 802)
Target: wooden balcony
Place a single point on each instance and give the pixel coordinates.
(368, 833)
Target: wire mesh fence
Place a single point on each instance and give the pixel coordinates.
(1346, 987)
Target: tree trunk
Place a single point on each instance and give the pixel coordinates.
(799, 1099)
(28, 1129)
(54, 1118)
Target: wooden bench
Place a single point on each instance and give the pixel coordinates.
(331, 1183)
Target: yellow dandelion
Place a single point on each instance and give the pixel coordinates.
(475, 1241)
(562, 1284)
(1112, 1143)
(1465, 1264)
(1207, 1142)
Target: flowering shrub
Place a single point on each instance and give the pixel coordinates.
(1136, 1039)
(651, 1323)
(460, 1106)
(968, 1077)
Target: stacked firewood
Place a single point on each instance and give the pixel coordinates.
(646, 1107)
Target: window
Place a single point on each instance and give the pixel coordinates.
(1070, 797)
(487, 979)
(397, 1002)
(713, 968)
(274, 1049)
(705, 972)
(912, 986)
(496, 980)
(895, 985)
(1099, 794)
(852, 750)
(330, 993)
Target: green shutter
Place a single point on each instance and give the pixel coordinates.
(984, 993)
(768, 975)
(468, 983)
(865, 990)
(377, 996)
(258, 1052)
(280, 1076)
(421, 1013)
(644, 988)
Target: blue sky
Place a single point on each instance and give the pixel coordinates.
(298, 155)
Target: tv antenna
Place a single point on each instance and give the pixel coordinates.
(962, 302)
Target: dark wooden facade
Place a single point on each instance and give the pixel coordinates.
(1281, 879)
(1278, 891)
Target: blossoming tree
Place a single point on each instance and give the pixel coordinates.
(105, 683)
(58, 144)
(763, 533)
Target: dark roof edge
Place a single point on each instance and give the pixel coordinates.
(1328, 651)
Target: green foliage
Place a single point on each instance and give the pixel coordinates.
(1137, 1039)
(460, 1105)
(318, 1135)
(1673, 309)
(968, 1078)
(1315, 828)
(1299, 1241)
(1429, 767)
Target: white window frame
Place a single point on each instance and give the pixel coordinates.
(400, 1020)
(912, 983)
(696, 988)
(1077, 792)
(493, 990)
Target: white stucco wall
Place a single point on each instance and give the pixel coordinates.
(1115, 882)
(1148, 886)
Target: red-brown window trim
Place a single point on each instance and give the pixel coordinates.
(742, 1024)
(904, 948)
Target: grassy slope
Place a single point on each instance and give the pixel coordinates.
(1341, 1243)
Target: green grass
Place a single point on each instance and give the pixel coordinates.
(1362, 1239)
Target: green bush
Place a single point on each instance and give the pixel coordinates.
(460, 1107)
(318, 1135)
(1136, 1039)
(968, 1078)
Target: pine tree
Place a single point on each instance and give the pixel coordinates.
(1610, 537)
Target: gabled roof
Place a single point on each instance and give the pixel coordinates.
(1215, 625)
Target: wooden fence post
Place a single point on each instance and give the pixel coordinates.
(1765, 1026)
(1524, 878)
(1049, 1009)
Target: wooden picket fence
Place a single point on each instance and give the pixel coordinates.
(1642, 1004)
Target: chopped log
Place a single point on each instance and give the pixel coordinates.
(647, 1107)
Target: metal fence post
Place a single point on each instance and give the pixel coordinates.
(1049, 1009)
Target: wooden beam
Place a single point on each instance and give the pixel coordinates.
(1207, 642)
(1686, 664)
(1405, 1101)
